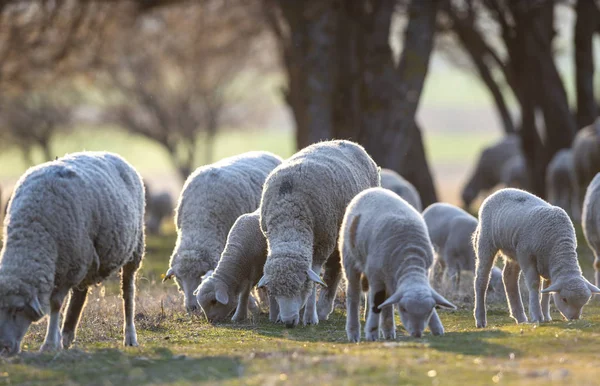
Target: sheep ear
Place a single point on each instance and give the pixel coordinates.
(207, 274)
(552, 288)
(262, 282)
(222, 296)
(312, 275)
(168, 275)
(441, 301)
(395, 298)
(36, 308)
(593, 288)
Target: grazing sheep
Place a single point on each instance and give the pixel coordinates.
(71, 223)
(537, 238)
(239, 269)
(158, 207)
(561, 183)
(450, 230)
(213, 197)
(590, 221)
(586, 157)
(397, 184)
(490, 167)
(302, 207)
(386, 240)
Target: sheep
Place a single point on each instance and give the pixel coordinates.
(302, 207)
(586, 158)
(590, 222)
(450, 230)
(513, 173)
(239, 269)
(213, 197)
(537, 238)
(561, 183)
(70, 224)
(158, 207)
(490, 167)
(385, 240)
(396, 183)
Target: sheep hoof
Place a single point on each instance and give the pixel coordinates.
(314, 320)
(372, 336)
(481, 324)
(130, 341)
(389, 335)
(67, 339)
(51, 346)
(353, 336)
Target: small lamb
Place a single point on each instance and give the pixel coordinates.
(213, 198)
(537, 238)
(590, 222)
(450, 230)
(490, 170)
(399, 185)
(561, 183)
(385, 239)
(239, 269)
(71, 223)
(302, 208)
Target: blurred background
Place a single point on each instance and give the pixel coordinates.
(172, 85)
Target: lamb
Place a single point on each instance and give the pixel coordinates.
(561, 183)
(490, 167)
(450, 230)
(238, 271)
(538, 238)
(71, 223)
(213, 197)
(159, 206)
(302, 208)
(586, 157)
(396, 183)
(590, 222)
(386, 240)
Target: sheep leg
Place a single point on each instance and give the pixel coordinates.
(128, 287)
(76, 303)
(435, 324)
(510, 277)
(437, 272)
(377, 296)
(53, 340)
(453, 274)
(310, 310)
(273, 309)
(241, 312)
(387, 325)
(353, 297)
(483, 269)
(532, 278)
(546, 304)
(331, 277)
(596, 268)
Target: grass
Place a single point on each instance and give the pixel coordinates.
(178, 349)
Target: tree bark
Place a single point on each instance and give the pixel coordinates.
(587, 23)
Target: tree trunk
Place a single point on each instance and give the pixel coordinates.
(588, 17)
(391, 94)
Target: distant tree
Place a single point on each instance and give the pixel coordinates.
(175, 70)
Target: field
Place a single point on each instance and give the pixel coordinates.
(178, 349)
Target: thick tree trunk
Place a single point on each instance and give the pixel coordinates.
(588, 21)
(392, 94)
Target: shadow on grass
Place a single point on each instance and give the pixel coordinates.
(116, 367)
(474, 343)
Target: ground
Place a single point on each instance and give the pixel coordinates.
(178, 349)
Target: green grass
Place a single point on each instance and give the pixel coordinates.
(177, 349)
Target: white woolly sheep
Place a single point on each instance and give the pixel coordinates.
(238, 271)
(70, 224)
(537, 238)
(490, 167)
(450, 230)
(302, 208)
(386, 240)
(213, 197)
(586, 157)
(159, 206)
(561, 183)
(399, 185)
(590, 221)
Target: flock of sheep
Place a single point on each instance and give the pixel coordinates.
(284, 227)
